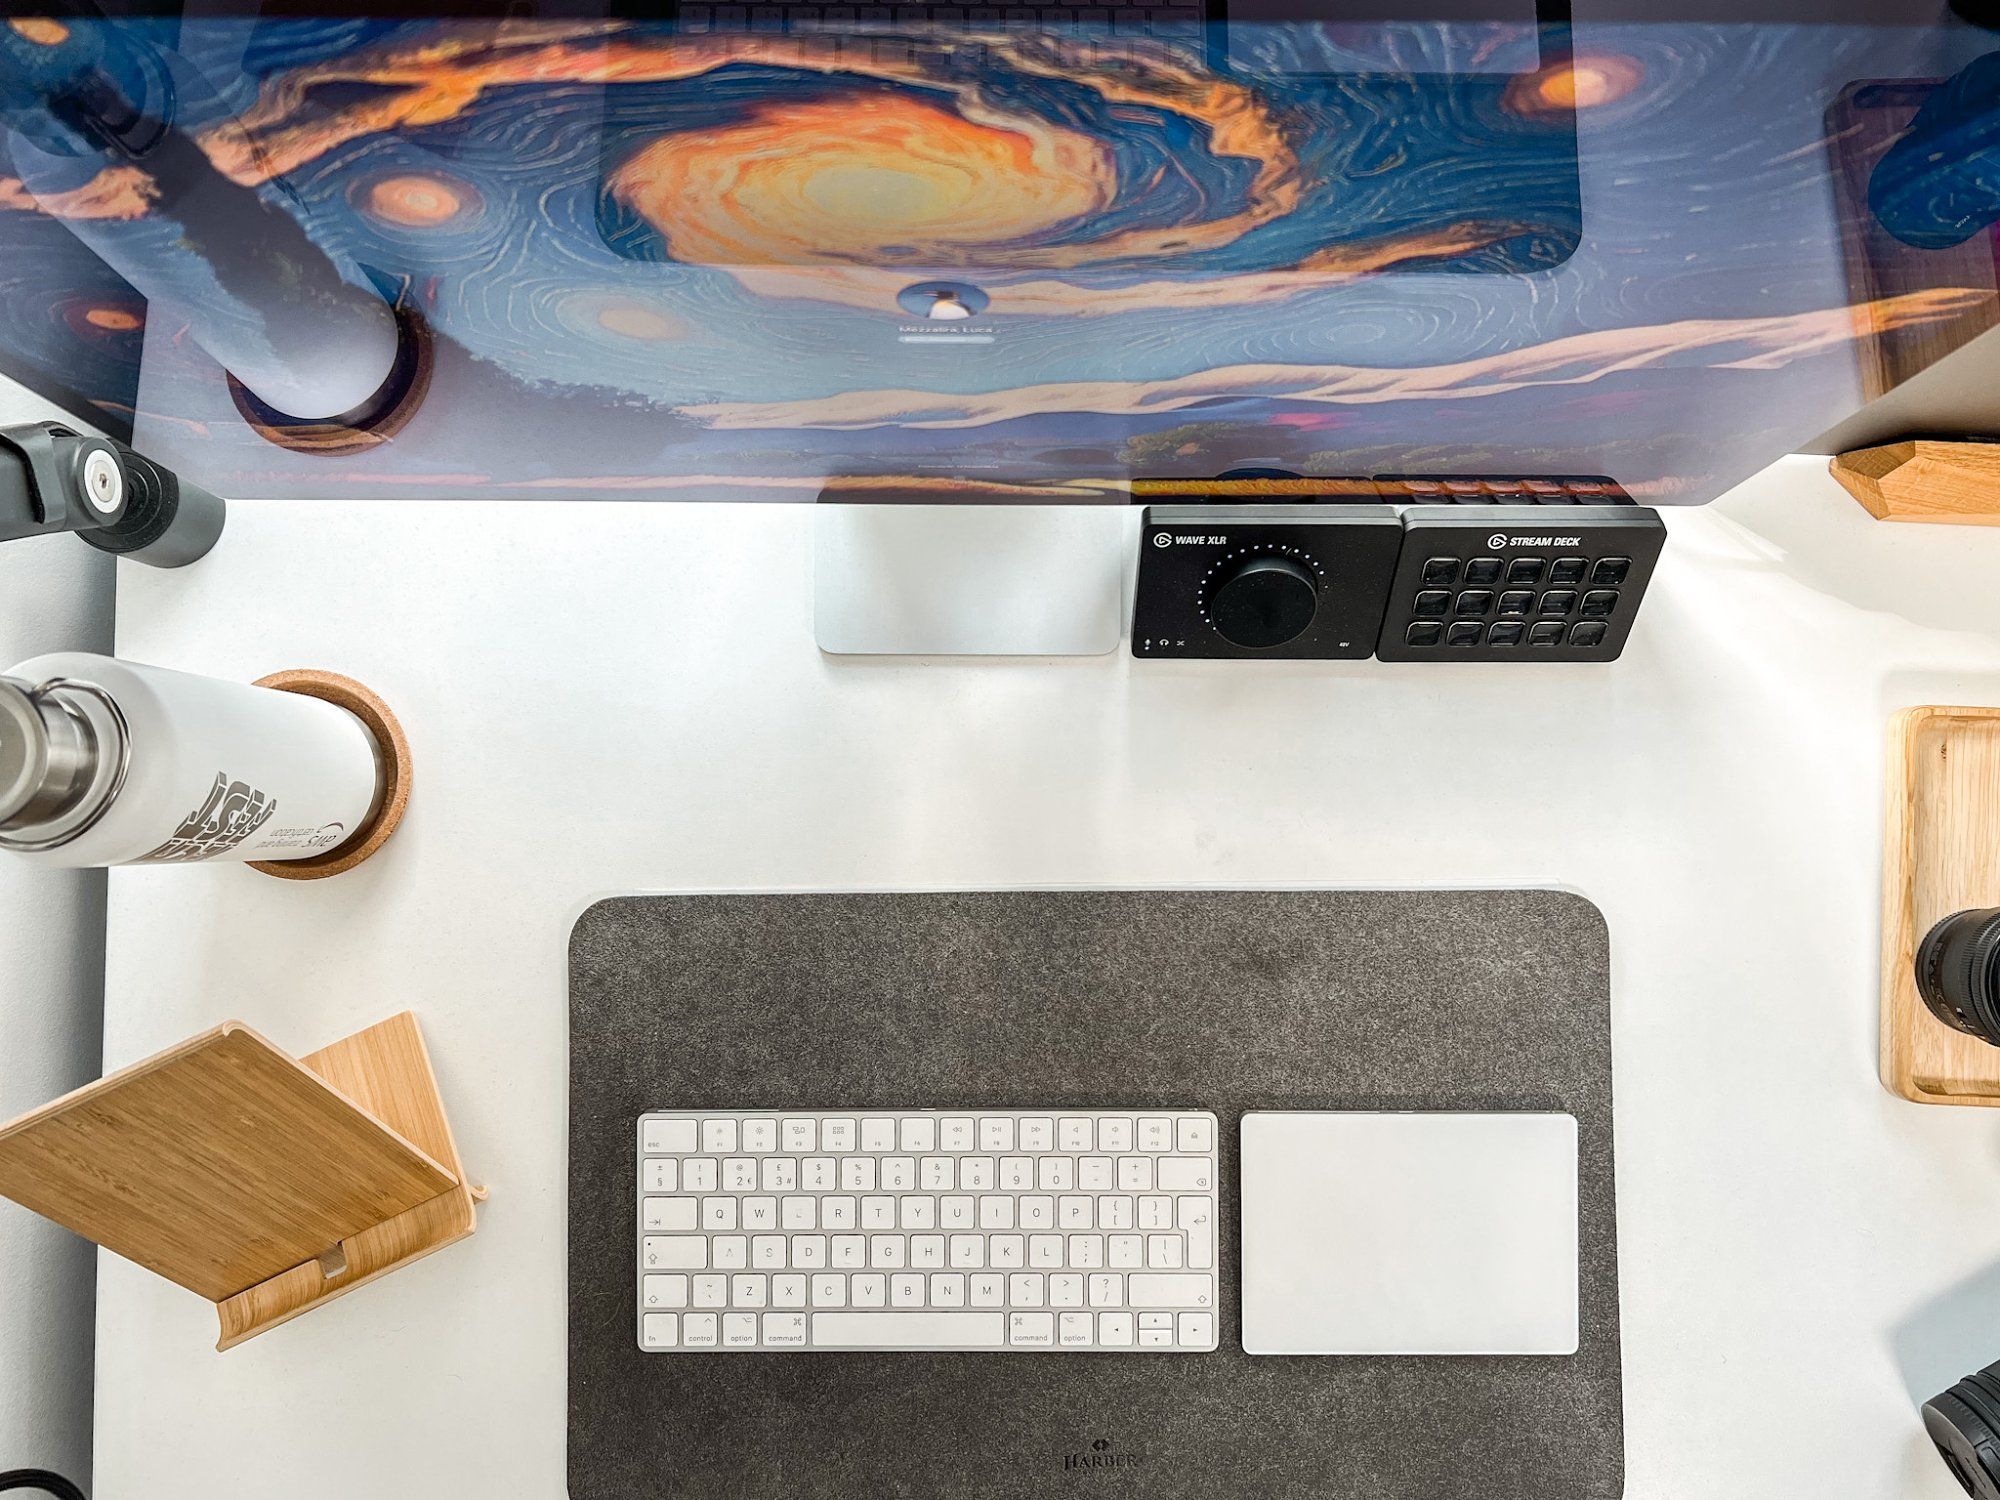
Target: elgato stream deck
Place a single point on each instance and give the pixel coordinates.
(1428, 583)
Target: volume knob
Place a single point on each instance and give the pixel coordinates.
(1263, 602)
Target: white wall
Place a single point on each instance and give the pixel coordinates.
(55, 594)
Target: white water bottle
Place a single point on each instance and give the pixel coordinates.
(108, 762)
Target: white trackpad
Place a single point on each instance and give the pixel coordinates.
(1409, 1234)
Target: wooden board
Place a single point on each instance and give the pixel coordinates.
(217, 1164)
(1862, 124)
(1941, 854)
(1921, 480)
(386, 1070)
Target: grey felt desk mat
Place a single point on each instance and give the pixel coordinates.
(1225, 1000)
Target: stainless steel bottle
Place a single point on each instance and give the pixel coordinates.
(107, 762)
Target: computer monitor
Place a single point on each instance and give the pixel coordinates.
(944, 254)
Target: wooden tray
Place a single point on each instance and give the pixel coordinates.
(1941, 855)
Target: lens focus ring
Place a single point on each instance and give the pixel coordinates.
(1958, 972)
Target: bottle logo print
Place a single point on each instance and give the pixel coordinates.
(232, 811)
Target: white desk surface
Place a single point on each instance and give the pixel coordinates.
(606, 698)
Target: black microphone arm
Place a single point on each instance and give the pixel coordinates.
(53, 479)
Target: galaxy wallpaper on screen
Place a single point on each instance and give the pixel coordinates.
(655, 259)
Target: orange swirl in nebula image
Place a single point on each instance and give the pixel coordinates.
(1588, 81)
(417, 200)
(866, 180)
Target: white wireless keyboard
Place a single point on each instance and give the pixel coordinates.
(1070, 1230)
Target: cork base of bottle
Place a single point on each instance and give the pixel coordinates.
(345, 692)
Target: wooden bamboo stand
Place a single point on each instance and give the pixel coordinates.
(267, 1184)
(1941, 854)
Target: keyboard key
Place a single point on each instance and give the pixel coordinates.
(1194, 1133)
(838, 1136)
(801, 1137)
(1036, 1330)
(698, 1330)
(909, 1330)
(760, 1137)
(878, 1135)
(718, 1136)
(947, 1289)
(1440, 572)
(1600, 602)
(670, 1137)
(957, 1135)
(1114, 1329)
(669, 1213)
(1483, 571)
(1073, 1133)
(1135, 1174)
(1114, 1134)
(659, 1175)
(917, 1134)
(1567, 570)
(1073, 1329)
(1184, 1290)
(784, 1330)
(1006, 1252)
(739, 1330)
(1164, 1252)
(711, 1291)
(664, 1291)
(907, 1288)
(1587, 633)
(1156, 1330)
(1195, 1217)
(1424, 633)
(996, 1134)
(674, 1252)
(661, 1330)
(1432, 604)
(1184, 1174)
(1610, 571)
(788, 1290)
(1038, 1135)
(1195, 1330)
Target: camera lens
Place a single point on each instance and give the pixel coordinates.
(1964, 1423)
(1958, 972)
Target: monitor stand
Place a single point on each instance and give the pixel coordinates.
(971, 580)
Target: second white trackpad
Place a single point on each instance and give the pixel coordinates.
(1409, 1233)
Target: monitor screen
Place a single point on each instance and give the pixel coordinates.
(774, 251)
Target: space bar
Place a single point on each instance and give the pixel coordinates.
(909, 1330)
